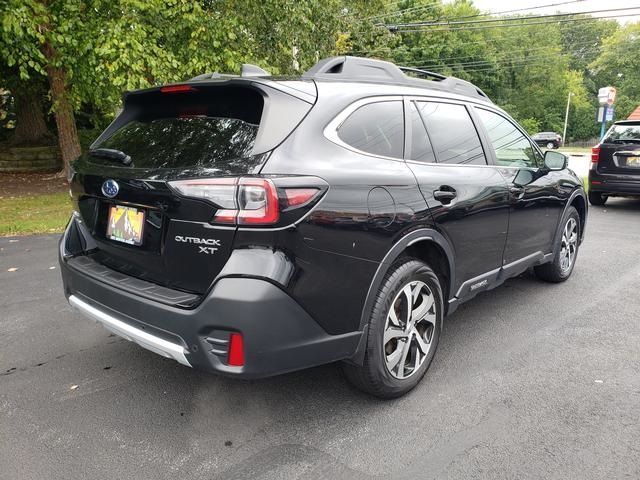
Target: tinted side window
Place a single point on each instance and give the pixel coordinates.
(420, 148)
(376, 128)
(454, 137)
(512, 147)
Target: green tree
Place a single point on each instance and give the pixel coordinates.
(89, 51)
(619, 65)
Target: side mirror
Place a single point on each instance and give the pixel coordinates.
(555, 160)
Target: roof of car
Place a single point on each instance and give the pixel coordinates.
(368, 70)
(347, 69)
(627, 122)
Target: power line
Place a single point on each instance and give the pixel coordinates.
(490, 14)
(433, 6)
(512, 25)
(512, 19)
(547, 47)
(504, 65)
(497, 63)
(532, 60)
(511, 52)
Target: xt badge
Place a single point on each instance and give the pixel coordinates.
(205, 245)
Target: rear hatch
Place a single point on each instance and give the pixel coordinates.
(619, 152)
(159, 189)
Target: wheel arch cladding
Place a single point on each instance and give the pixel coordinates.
(433, 255)
(425, 244)
(580, 204)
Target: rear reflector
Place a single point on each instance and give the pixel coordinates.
(235, 357)
(595, 182)
(177, 89)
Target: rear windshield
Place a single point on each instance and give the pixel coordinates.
(196, 141)
(212, 128)
(623, 133)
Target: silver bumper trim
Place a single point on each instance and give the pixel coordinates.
(145, 340)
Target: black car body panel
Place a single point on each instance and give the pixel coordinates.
(300, 289)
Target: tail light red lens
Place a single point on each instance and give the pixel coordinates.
(235, 356)
(296, 197)
(595, 154)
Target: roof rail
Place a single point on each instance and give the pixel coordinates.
(355, 68)
(425, 73)
(246, 70)
(368, 69)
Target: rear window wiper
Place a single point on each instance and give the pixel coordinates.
(111, 154)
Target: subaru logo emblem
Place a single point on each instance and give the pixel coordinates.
(110, 188)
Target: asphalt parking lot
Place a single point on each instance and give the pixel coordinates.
(530, 381)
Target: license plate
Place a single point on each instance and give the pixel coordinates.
(126, 224)
(633, 162)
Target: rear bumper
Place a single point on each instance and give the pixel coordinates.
(146, 340)
(615, 184)
(279, 336)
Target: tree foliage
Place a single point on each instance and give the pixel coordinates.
(96, 49)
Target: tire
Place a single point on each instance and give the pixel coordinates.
(387, 371)
(597, 199)
(566, 249)
(551, 145)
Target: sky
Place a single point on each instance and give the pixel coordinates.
(580, 6)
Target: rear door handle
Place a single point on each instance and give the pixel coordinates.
(444, 196)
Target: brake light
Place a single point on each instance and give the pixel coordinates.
(177, 89)
(235, 357)
(595, 154)
(258, 202)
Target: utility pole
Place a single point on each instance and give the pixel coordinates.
(566, 118)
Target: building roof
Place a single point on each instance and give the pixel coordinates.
(635, 115)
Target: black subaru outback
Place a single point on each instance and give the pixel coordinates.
(252, 226)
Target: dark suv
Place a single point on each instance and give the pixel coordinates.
(615, 163)
(547, 139)
(252, 226)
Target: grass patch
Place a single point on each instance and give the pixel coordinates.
(575, 150)
(30, 214)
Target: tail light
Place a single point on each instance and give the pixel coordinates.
(246, 200)
(297, 197)
(595, 156)
(257, 202)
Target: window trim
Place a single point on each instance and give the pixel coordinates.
(331, 130)
(517, 126)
